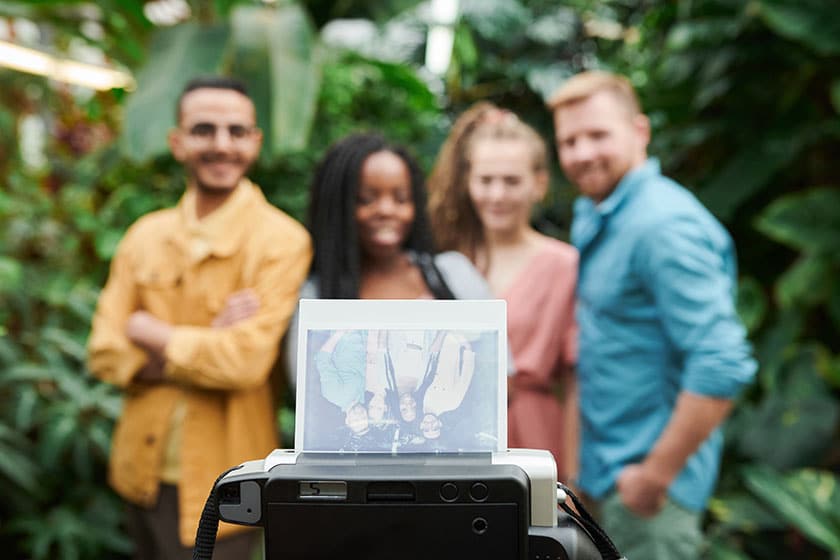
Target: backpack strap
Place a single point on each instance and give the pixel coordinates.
(432, 276)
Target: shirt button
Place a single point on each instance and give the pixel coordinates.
(150, 439)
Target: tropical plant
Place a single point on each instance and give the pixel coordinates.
(60, 222)
(744, 97)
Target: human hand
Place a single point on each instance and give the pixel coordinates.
(151, 372)
(148, 332)
(239, 306)
(642, 491)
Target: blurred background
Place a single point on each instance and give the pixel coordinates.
(744, 97)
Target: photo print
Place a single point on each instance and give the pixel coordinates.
(434, 384)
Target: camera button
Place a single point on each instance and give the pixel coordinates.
(479, 491)
(448, 492)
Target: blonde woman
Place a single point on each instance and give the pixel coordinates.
(490, 173)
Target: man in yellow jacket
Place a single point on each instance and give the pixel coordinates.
(189, 325)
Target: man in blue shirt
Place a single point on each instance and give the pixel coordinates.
(662, 351)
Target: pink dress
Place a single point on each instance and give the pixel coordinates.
(543, 340)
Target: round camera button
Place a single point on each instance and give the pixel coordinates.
(449, 492)
(479, 491)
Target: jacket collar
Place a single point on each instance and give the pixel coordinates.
(222, 231)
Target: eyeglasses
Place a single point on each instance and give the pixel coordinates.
(206, 132)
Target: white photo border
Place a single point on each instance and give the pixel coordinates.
(450, 315)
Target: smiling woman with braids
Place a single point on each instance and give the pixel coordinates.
(367, 217)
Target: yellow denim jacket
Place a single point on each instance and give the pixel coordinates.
(181, 271)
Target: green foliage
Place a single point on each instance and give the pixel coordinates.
(744, 97)
(274, 50)
(741, 95)
(807, 499)
(806, 222)
(55, 423)
(59, 227)
(800, 412)
(280, 44)
(176, 55)
(811, 22)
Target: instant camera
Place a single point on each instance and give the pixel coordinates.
(401, 448)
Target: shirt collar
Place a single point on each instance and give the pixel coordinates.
(222, 231)
(627, 187)
(590, 217)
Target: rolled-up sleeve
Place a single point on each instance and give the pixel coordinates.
(692, 280)
(241, 356)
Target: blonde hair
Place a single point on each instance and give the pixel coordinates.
(454, 221)
(586, 84)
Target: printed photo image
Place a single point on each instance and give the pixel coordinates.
(401, 390)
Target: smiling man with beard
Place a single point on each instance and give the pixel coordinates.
(189, 325)
(662, 352)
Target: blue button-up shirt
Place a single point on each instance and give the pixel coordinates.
(657, 316)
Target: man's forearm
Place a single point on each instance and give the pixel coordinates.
(643, 487)
(693, 420)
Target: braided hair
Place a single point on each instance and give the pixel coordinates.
(332, 213)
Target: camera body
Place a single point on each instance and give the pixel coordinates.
(500, 505)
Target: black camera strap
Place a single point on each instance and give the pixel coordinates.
(208, 524)
(602, 542)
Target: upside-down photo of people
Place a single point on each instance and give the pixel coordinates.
(401, 391)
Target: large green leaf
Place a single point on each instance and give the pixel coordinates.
(11, 275)
(501, 21)
(810, 281)
(809, 221)
(58, 435)
(706, 31)
(25, 407)
(748, 172)
(835, 95)
(67, 343)
(775, 346)
(794, 425)
(811, 22)
(806, 499)
(176, 55)
(788, 433)
(16, 463)
(718, 549)
(743, 512)
(277, 51)
(752, 303)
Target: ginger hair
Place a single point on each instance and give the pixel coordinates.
(586, 84)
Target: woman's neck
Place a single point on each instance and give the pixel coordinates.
(501, 240)
(384, 265)
(502, 258)
(392, 278)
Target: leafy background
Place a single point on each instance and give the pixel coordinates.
(744, 96)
